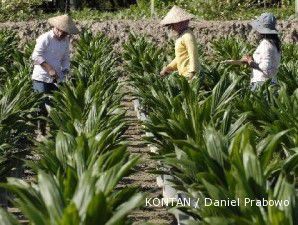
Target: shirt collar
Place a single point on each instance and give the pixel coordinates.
(51, 33)
(183, 32)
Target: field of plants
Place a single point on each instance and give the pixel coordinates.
(19, 10)
(216, 139)
(213, 137)
(76, 170)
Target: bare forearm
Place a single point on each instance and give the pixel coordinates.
(47, 67)
(166, 71)
(254, 65)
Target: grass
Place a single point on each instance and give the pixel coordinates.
(280, 13)
(142, 11)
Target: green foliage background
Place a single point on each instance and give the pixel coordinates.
(124, 9)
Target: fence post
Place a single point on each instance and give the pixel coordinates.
(296, 8)
(67, 6)
(152, 7)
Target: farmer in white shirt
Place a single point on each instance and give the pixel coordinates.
(51, 59)
(266, 58)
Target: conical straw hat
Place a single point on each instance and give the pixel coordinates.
(265, 24)
(64, 23)
(176, 15)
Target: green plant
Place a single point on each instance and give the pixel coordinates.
(18, 104)
(66, 200)
(219, 140)
(95, 59)
(8, 47)
(209, 146)
(143, 56)
(81, 164)
(230, 48)
(234, 171)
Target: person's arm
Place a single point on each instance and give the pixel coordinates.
(247, 59)
(39, 58)
(191, 46)
(266, 60)
(172, 66)
(49, 69)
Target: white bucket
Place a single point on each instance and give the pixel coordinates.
(168, 191)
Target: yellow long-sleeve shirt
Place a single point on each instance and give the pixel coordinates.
(186, 54)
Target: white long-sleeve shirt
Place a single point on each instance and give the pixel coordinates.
(53, 51)
(268, 59)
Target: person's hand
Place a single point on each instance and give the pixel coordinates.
(247, 59)
(165, 71)
(50, 70)
(191, 75)
(53, 73)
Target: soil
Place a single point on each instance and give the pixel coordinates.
(142, 177)
(119, 30)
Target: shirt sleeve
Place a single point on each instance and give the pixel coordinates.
(65, 63)
(38, 55)
(191, 46)
(266, 64)
(173, 64)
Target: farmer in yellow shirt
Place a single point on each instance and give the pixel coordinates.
(186, 52)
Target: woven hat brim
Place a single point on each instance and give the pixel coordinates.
(176, 15)
(256, 25)
(69, 28)
(165, 23)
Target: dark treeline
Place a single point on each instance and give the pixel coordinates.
(66, 5)
(113, 5)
